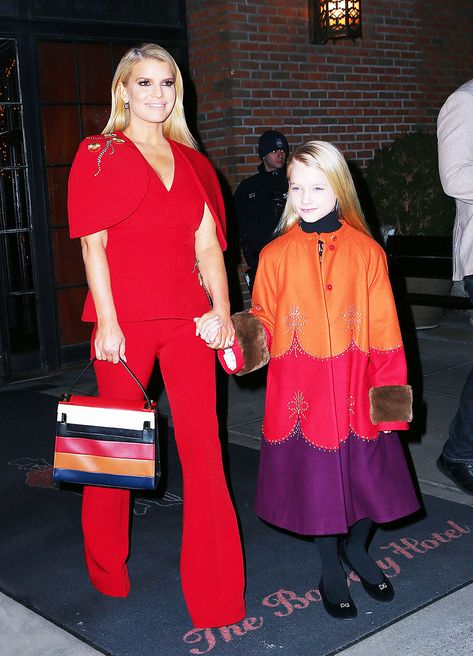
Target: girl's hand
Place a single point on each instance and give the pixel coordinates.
(386, 432)
(109, 343)
(216, 329)
(209, 329)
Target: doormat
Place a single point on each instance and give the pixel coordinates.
(41, 560)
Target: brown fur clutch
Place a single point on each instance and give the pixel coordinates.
(391, 403)
(252, 339)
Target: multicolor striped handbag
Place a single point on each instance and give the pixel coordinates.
(106, 442)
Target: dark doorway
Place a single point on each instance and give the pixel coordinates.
(56, 65)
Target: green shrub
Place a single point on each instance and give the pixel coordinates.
(404, 184)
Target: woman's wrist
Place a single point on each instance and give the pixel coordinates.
(221, 306)
(107, 322)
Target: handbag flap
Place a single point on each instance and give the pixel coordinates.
(103, 402)
(98, 411)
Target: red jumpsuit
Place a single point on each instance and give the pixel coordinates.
(156, 291)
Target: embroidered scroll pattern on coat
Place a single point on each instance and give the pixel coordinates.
(352, 319)
(298, 406)
(295, 322)
(351, 405)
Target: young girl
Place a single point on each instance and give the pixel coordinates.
(331, 463)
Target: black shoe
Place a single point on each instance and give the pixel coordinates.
(383, 591)
(344, 611)
(461, 473)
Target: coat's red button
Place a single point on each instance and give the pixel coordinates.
(329, 286)
(332, 247)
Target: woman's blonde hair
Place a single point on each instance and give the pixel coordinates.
(322, 155)
(175, 126)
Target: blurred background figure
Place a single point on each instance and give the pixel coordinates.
(260, 199)
(455, 144)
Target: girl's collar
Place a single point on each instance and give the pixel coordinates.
(341, 232)
(328, 223)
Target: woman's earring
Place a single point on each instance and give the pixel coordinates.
(126, 105)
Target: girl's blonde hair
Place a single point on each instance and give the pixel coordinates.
(322, 155)
(175, 126)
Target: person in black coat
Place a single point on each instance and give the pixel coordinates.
(260, 199)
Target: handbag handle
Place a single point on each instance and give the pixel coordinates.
(67, 396)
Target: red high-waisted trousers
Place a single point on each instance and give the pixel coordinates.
(212, 571)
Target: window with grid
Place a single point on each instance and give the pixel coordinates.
(18, 301)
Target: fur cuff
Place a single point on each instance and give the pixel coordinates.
(251, 337)
(391, 403)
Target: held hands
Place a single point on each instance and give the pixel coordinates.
(216, 329)
(109, 343)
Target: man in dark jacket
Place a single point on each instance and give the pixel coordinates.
(260, 200)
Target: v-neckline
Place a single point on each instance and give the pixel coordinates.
(152, 167)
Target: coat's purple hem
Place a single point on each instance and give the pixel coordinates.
(313, 492)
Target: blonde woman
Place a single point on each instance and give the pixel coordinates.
(331, 462)
(148, 209)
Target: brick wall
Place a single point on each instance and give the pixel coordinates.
(254, 68)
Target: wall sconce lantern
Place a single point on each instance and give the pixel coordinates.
(334, 19)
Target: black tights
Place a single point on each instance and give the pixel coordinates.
(333, 572)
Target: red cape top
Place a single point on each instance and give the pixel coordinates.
(109, 178)
(151, 231)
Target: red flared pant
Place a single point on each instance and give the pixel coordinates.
(211, 558)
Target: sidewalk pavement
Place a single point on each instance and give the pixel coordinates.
(445, 628)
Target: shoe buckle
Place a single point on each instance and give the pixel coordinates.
(382, 586)
(345, 605)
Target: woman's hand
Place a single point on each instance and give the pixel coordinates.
(109, 343)
(216, 329)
